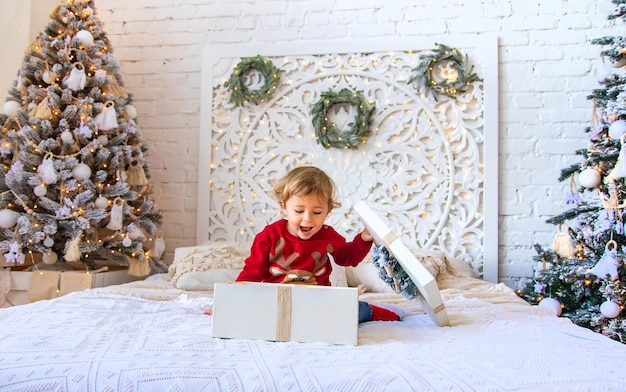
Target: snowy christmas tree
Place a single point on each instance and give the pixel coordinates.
(583, 274)
(74, 184)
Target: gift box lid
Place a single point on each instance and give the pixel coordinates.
(429, 296)
(286, 312)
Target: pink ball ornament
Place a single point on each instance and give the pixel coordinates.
(81, 172)
(551, 303)
(609, 309)
(617, 129)
(589, 178)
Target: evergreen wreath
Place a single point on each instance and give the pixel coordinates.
(449, 86)
(239, 92)
(391, 272)
(328, 134)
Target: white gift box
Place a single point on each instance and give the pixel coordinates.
(430, 297)
(286, 312)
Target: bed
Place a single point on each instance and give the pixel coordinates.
(429, 168)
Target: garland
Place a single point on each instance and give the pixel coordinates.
(392, 273)
(239, 92)
(328, 134)
(457, 79)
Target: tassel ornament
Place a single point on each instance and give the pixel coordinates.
(136, 176)
(46, 171)
(77, 79)
(107, 118)
(562, 243)
(42, 111)
(159, 246)
(138, 267)
(607, 265)
(116, 222)
(72, 251)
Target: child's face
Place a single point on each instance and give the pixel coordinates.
(305, 215)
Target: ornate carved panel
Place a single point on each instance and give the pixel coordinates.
(422, 167)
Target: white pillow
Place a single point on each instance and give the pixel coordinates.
(200, 267)
(366, 274)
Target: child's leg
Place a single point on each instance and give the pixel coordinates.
(369, 312)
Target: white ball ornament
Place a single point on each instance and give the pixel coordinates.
(48, 242)
(127, 242)
(85, 38)
(49, 258)
(67, 137)
(103, 140)
(10, 107)
(589, 178)
(49, 77)
(81, 172)
(8, 218)
(40, 190)
(131, 111)
(551, 303)
(102, 202)
(617, 129)
(609, 309)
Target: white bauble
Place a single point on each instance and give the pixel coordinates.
(609, 309)
(617, 129)
(10, 107)
(49, 77)
(67, 137)
(85, 38)
(131, 111)
(49, 258)
(589, 178)
(103, 140)
(127, 242)
(102, 202)
(40, 190)
(8, 218)
(48, 242)
(551, 303)
(81, 172)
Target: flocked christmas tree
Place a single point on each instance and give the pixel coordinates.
(74, 184)
(583, 274)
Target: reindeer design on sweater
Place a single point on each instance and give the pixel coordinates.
(297, 276)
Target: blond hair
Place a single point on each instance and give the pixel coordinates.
(306, 181)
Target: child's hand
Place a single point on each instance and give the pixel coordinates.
(366, 236)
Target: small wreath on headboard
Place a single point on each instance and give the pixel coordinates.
(392, 273)
(454, 76)
(327, 132)
(240, 93)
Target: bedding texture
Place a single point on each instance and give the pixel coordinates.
(152, 336)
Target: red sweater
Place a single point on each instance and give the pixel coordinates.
(277, 256)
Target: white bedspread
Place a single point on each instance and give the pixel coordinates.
(101, 340)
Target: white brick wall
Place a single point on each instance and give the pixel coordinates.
(547, 68)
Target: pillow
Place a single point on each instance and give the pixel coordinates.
(365, 274)
(200, 267)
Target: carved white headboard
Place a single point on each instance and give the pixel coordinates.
(429, 166)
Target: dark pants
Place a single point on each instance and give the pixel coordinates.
(365, 312)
